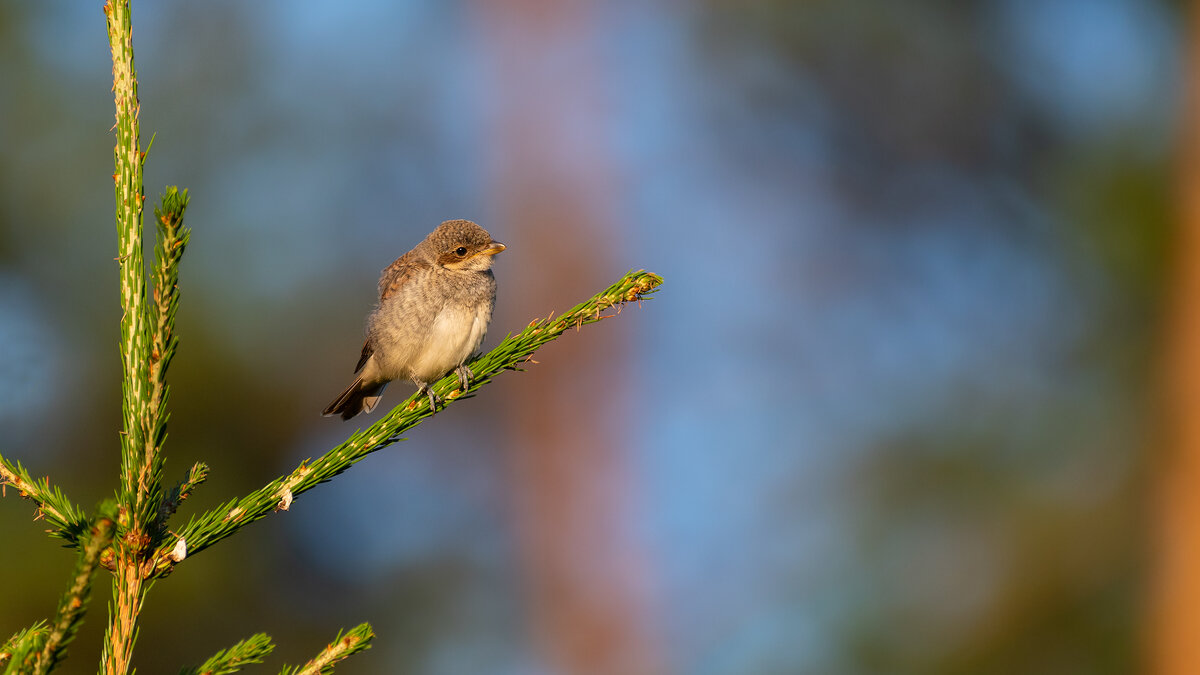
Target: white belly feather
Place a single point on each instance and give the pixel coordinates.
(455, 333)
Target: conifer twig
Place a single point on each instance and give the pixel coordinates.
(171, 241)
(180, 492)
(343, 646)
(67, 520)
(129, 195)
(207, 529)
(74, 604)
(137, 473)
(251, 650)
(17, 652)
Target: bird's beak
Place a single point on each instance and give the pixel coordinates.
(493, 249)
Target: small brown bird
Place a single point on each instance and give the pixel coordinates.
(435, 303)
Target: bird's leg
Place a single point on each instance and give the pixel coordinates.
(434, 399)
(464, 377)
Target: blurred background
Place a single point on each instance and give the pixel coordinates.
(895, 409)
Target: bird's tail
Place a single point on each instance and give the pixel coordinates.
(357, 398)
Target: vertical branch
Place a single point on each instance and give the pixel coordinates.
(127, 157)
(132, 542)
(172, 240)
(1175, 605)
(129, 589)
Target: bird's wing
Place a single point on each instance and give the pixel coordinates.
(367, 351)
(391, 280)
(394, 276)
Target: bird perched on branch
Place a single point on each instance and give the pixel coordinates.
(435, 303)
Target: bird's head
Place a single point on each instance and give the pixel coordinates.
(462, 245)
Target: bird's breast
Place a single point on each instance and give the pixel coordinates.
(424, 349)
(453, 335)
(431, 326)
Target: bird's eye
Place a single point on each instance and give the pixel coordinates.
(460, 251)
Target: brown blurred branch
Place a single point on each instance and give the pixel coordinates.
(557, 188)
(1174, 633)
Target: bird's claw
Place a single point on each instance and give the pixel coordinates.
(434, 399)
(464, 377)
(464, 381)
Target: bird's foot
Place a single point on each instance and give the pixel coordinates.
(434, 399)
(464, 377)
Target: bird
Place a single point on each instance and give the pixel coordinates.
(435, 303)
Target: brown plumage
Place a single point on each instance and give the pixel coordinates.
(435, 303)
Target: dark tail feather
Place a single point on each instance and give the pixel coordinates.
(355, 399)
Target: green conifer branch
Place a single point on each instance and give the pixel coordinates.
(207, 529)
(73, 605)
(251, 650)
(172, 239)
(19, 651)
(180, 492)
(343, 647)
(129, 196)
(66, 520)
(139, 468)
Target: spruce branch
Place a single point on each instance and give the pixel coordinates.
(343, 646)
(251, 650)
(73, 605)
(180, 492)
(152, 508)
(67, 520)
(129, 196)
(172, 239)
(19, 651)
(139, 469)
(207, 529)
